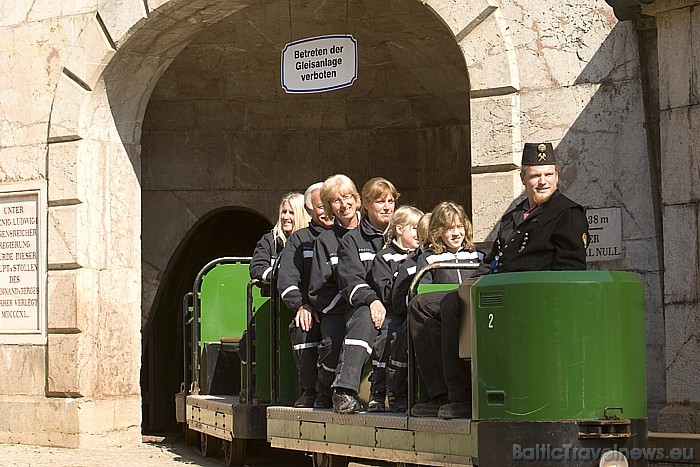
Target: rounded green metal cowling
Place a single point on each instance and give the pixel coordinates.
(558, 345)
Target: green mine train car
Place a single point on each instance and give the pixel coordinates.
(558, 376)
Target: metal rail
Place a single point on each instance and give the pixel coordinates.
(412, 289)
(186, 301)
(196, 311)
(274, 350)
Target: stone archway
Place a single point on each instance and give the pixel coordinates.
(95, 175)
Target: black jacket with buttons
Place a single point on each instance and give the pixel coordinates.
(554, 236)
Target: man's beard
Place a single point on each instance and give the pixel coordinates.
(541, 198)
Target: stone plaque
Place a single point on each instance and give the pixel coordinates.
(319, 64)
(20, 272)
(605, 229)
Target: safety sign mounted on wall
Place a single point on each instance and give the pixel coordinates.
(319, 64)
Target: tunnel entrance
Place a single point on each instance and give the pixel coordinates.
(219, 130)
(225, 232)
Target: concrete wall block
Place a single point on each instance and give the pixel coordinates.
(436, 111)
(490, 56)
(681, 253)
(65, 248)
(72, 423)
(179, 115)
(695, 54)
(118, 331)
(493, 194)
(495, 131)
(129, 80)
(676, 419)
(462, 17)
(682, 353)
(215, 115)
(680, 144)
(123, 208)
(70, 243)
(640, 255)
(161, 208)
(92, 51)
(550, 40)
(64, 173)
(209, 161)
(110, 421)
(296, 156)
(31, 56)
(375, 114)
(674, 47)
(72, 295)
(64, 365)
(27, 365)
(119, 16)
(65, 114)
(22, 163)
(39, 420)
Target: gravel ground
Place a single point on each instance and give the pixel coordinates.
(155, 451)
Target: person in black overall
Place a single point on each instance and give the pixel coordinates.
(340, 197)
(293, 287)
(401, 243)
(291, 216)
(397, 365)
(366, 313)
(434, 316)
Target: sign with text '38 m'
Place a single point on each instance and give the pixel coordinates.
(319, 64)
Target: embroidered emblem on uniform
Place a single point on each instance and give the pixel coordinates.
(584, 237)
(542, 150)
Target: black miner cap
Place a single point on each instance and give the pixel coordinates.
(538, 154)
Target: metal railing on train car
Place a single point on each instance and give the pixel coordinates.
(195, 305)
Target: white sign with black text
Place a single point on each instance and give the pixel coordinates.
(22, 264)
(319, 64)
(605, 234)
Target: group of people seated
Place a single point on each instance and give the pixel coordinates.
(346, 262)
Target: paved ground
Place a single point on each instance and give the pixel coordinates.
(156, 451)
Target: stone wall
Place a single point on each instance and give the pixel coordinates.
(74, 103)
(678, 25)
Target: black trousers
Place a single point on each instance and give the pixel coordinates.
(360, 334)
(332, 332)
(397, 365)
(434, 324)
(381, 354)
(305, 346)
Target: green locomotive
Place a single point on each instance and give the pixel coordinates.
(558, 377)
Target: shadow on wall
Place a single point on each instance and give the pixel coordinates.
(225, 232)
(607, 158)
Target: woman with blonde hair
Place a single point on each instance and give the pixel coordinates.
(291, 216)
(340, 198)
(434, 316)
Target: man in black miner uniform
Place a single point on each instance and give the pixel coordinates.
(293, 287)
(546, 231)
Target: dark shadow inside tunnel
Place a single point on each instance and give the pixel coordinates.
(224, 232)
